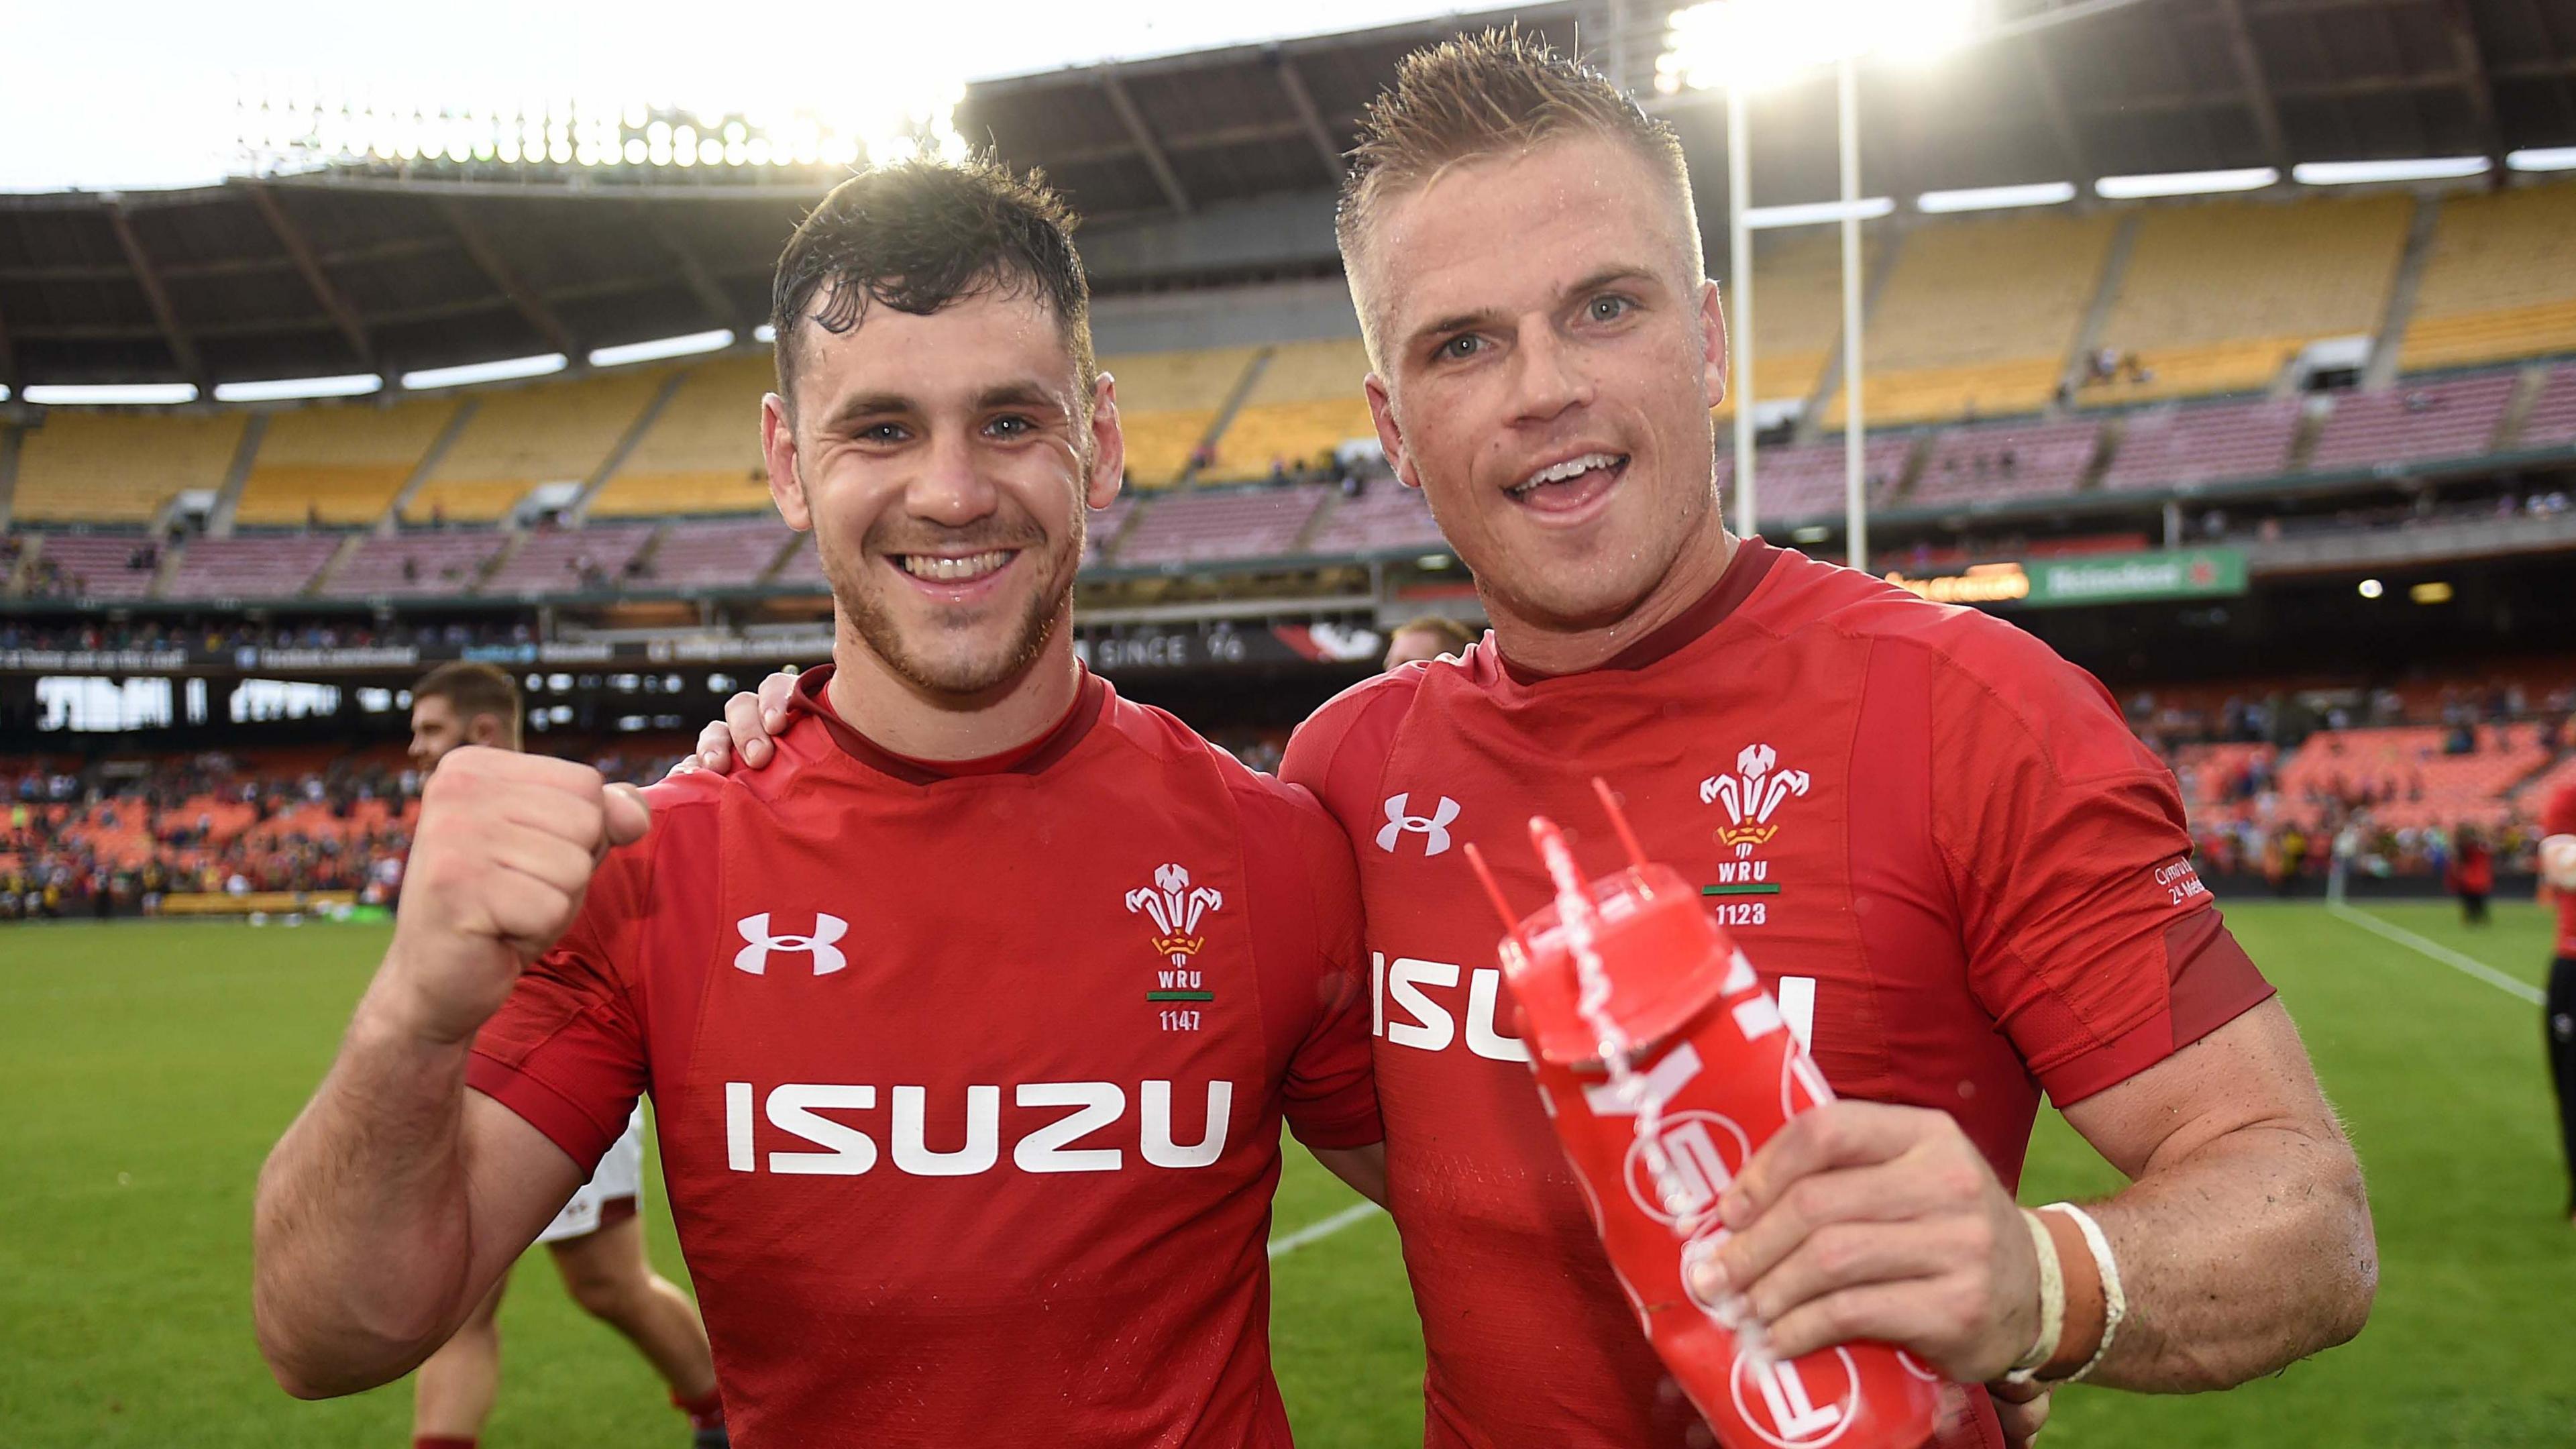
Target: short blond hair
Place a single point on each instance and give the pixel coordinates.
(1498, 92)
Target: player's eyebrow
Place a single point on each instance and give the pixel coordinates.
(1021, 393)
(868, 405)
(1613, 275)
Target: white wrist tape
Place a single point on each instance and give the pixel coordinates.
(2115, 1301)
(2052, 1302)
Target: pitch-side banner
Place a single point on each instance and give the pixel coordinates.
(2118, 578)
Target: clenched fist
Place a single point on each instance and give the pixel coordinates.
(503, 852)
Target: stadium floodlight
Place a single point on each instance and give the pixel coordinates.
(2363, 173)
(2371, 588)
(1762, 43)
(659, 348)
(499, 370)
(281, 389)
(764, 333)
(2542, 158)
(2184, 183)
(1817, 213)
(1996, 198)
(109, 394)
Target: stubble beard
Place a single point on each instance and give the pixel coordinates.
(954, 673)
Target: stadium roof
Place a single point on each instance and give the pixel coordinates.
(1217, 166)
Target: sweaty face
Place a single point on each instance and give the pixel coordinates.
(1547, 359)
(943, 464)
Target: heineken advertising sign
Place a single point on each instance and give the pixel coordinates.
(2117, 578)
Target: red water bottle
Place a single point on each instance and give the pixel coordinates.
(1664, 1064)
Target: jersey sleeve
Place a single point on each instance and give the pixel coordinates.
(2089, 936)
(1314, 978)
(2559, 818)
(566, 1051)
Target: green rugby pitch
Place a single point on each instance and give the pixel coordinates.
(145, 1069)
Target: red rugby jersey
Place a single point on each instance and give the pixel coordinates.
(2559, 818)
(1965, 878)
(969, 1087)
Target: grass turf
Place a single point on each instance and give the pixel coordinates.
(148, 1068)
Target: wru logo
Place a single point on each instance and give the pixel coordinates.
(1750, 795)
(1433, 828)
(754, 956)
(1175, 909)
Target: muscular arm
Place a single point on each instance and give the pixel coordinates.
(390, 1208)
(2244, 1241)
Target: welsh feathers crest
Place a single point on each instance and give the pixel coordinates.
(1750, 795)
(1175, 907)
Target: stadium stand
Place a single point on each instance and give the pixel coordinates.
(1167, 401)
(1977, 316)
(1190, 527)
(803, 567)
(1305, 402)
(261, 566)
(338, 463)
(91, 467)
(98, 565)
(2500, 282)
(2445, 418)
(548, 433)
(1797, 311)
(702, 453)
(2218, 296)
(717, 553)
(2418, 784)
(2175, 447)
(1386, 517)
(2007, 460)
(1806, 480)
(570, 560)
(2551, 422)
(436, 562)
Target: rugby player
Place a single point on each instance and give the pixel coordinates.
(1432, 636)
(597, 1240)
(970, 1023)
(1967, 881)
(2558, 1006)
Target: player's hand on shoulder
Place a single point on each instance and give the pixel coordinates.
(1861, 1220)
(747, 733)
(501, 857)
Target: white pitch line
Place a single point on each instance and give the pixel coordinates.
(1316, 1232)
(2468, 965)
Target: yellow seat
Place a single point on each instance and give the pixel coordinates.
(702, 453)
(96, 467)
(2218, 295)
(1308, 400)
(547, 432)
(1797, 314)
(340, 462)
(2500, 282)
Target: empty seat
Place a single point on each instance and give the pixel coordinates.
(702, 452)
(2500, 281)
(2000, 461)
(104, 467)
(570, 560)
(2180, 447)
(2443, 418)
(1192, 527)
(435, 562)
(550, 432)
(271, 566)
(338, 463)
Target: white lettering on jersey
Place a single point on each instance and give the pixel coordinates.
(1160, 1150)
(1433, 1027)
(795, 1108)
(983, 1134)
(847, 1150)
(1047, 1149)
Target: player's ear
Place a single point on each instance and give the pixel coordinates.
(778, 449)
(1713, 350)
(1390, 436)
(1108, 445)
(486, 729)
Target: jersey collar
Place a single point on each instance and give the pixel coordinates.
(1744, 573)
(1025, 759)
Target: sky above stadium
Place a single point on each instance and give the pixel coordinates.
(143, 93)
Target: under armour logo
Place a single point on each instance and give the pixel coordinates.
(1433, 828)
(754, 957)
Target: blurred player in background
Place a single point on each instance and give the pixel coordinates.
(2558, 1007)
(597, 1239)
(970, 1023)
(1432, 636)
